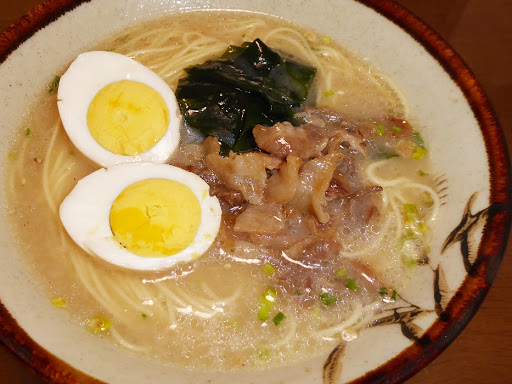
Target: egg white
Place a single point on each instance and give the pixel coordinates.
(85, 214)
(90, 73)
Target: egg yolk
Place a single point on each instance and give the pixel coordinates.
(155, 217)
(127, 117)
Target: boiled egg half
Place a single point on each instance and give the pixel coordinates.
(142, 216)
(116, 110)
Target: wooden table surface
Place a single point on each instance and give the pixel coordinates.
(480, 31)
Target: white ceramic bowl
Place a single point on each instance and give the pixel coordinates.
(466, 145)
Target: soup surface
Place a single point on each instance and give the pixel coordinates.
(306, 256)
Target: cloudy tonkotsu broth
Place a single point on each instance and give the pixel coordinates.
(208, 313)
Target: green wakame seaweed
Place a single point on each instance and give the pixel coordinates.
(249, 85)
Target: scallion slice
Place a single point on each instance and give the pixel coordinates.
(419, 153)
(267, 302)
(97, 324)
(269, 269)
(410, 208)
(342, 272)
(59, 302)
(328, 299)
(54, 85)
(419, 140)
(352, 284)
(278, 318)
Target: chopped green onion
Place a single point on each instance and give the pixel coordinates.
(383, 291)
(342, 272)
(267, 302)
(410, 218)
(326, 40)
(97, 324)
(144, 316)
(426, 199)
(409, 235)
(233, 324)
(329, 93)
(421, 173)
(278, 318)
(410, 208)
(262, 353)
(422, 227)
(28, 132)
(269, 269)
(328, 299)
(379, 129)
(11, 156)
(298, 293)
(59, 302)
(395, 128)
(419, 153)
(410, 262)
(419, 140)
(54, 85)
(352, 284)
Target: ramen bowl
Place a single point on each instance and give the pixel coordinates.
(468, 156)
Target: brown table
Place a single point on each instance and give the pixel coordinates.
(480, 31)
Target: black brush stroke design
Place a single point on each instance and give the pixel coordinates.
(442, 293)
(333, 365)
(413, 332)
(404, 316)
(441, 187)
(462, 233)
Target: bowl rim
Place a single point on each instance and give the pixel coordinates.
(470, 293)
